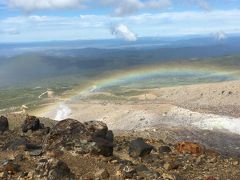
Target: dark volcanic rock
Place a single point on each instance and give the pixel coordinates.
(110, 136)
(138, 148)
(21, 143)
(67, 134)
(17, 143)
(53, 169)
(82, 138)
(3, 124)
(105, 147)
(97, 128)
(35, 152)
(31, 123)
(146, 173)
(164, 149)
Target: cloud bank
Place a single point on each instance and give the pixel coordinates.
(96, 26)
(120, 8)
(32, 5)
(121, 31)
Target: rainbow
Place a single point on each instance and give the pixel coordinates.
(130, 75)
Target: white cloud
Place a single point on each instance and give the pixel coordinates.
(120, 8)
(221, 35)
(10, 31)
(115, 7)
(159, 4)
(31, 5)
(123, 32)
(44, 28)
(128, 7)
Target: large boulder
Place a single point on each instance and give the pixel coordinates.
(53, 169)
(138, 148)
(3, 124)
(82, 138)
(31, 123)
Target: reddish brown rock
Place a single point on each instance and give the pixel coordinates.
(190, 147)
(210, 178)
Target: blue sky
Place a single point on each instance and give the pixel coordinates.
(47, 20)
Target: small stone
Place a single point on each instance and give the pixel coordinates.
(167, 166)
(164, 149)
(168, 177)
(19, 157)
(141, 168)
(102, 174)
(128, 172)
(36, 152)
(138, 148)
(146, 173)
(199, 160)
(187, 167)
(118, 173)
(3, 175)
(114, 161)
(171, 165)
(213, 160)
(30, 175)
(23, 176)
(235, 163)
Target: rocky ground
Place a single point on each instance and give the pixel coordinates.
(183, 113)
(217, 98)
(38, 148)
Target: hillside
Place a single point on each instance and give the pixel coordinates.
(34, 151)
